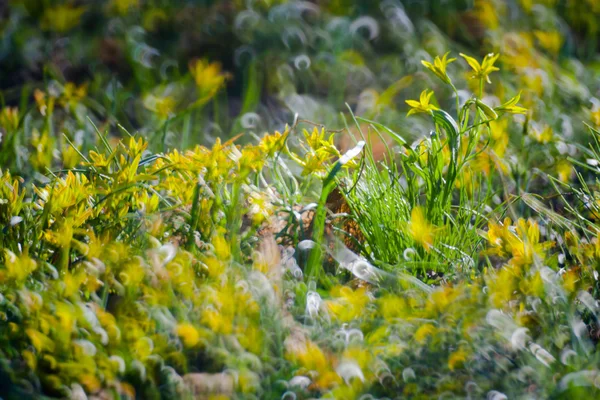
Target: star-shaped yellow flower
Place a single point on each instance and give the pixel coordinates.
(439, 66)
(421, 106)
(485, 68)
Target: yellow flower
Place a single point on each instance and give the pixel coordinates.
(208, 77)
(420, 230)
(564, 169)
(314, 163)
(122, 7)
(188, 334)
(485, 11)
(316, 140)
(549, 41)
(222, 248)
(570, 280)
(499, 135)
(482, 70)
(251, 160)
(40, 341)
(310, 357)
(62, 18)
(439, 67)
(595, 116)
(424, 332)
(457, 358)
(348, 304)
(43, 145)
(73, 94)
(522, 243)
(9, 118)
(544, 136)
(217, 321)
(270, 144)
(511, 106)
(17, 268)
(161, 106)
(421, 106)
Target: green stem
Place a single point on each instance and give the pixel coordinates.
(235, 220)
(315, 260)
(481, 88)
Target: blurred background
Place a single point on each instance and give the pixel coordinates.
(186, 72)
(144, 241)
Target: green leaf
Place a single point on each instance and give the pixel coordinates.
(443, 119)
(393, 134)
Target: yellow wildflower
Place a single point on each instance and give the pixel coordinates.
(485, 11)
(420, 230)
(439, 67)
(522, 243)
(208, 77)
(595, 116)
(62, 18)
(423, 105)
(457, 358)
(222, 248)
(188, 334)
(424, 332)
(482, 71)
(570, 279)
(564, 169)
(549, 41)
(270, 144)
(161, 106)
(9, 118)
(40, 341)
(511, 106)
(348, 304)
(17, 268)
(543, 136)
(122, 7)
(311, 357)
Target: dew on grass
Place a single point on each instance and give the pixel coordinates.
(566, 355)
(168, 252)
(588, 300)
(243, 55)
(250, 120)
(409, 254)
(246, 20)
(300, 381)
(313, 304)
(293, 37)
(365, 23)
(305, 7)
(340, 24)
(165, 66)
(408, 374)
(348, 370)
(302, 62)
(349, 335)
(306, 245)
(119, 362)
(580, 379)
(86, 346)
(288, 396)
(496, 395)
(519, 338)
(145, 55)
(541, 354)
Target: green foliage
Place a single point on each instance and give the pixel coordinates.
(426, 226)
